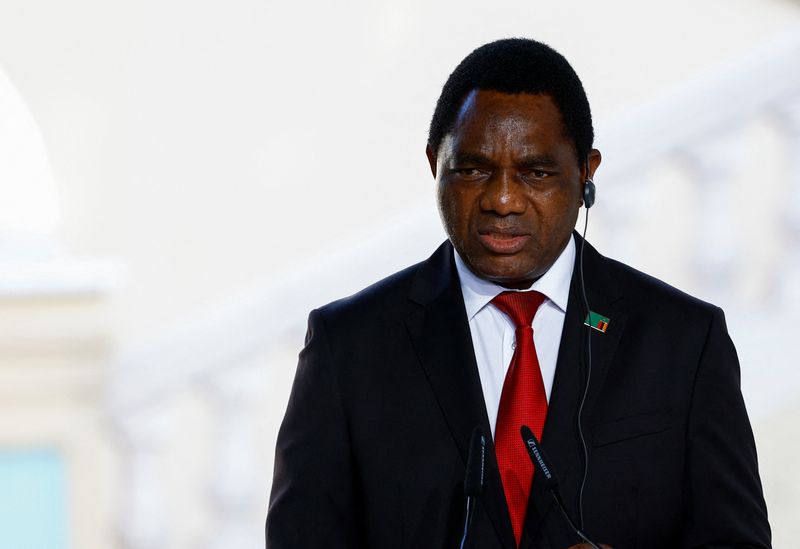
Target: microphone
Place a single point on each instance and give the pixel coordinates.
(540, 460)
(473, 477)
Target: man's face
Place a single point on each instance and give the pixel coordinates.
(509, 185)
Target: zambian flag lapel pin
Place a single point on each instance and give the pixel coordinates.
(597, 321)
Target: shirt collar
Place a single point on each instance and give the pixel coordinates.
(554, 284)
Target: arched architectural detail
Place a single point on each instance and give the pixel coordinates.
(28, 195)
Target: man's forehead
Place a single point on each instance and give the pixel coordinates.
(492, 111)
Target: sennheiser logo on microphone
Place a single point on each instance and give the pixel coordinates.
(483, 455)
(542, 466)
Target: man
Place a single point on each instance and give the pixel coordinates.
(643, 418)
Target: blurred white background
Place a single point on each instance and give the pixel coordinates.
(182, 181)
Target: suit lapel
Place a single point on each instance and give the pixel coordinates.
(440, 332)
(560, 438)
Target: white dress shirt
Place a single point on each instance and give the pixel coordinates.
(493, 333)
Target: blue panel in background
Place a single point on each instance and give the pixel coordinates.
(33, 512)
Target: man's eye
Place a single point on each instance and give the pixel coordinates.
(537, 174)
(469, 173)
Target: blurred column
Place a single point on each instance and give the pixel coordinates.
(714, 163)
(144, 518)
(234, 393)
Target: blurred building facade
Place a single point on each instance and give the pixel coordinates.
(181, 183)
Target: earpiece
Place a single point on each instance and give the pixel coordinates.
(588, 193)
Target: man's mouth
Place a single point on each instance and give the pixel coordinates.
(503, 242)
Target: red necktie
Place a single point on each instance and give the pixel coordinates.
(523, 402)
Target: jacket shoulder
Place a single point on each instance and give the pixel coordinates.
(383, 298)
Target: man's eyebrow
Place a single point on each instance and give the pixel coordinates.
(530, 161)
(470, 158)
(538, 160)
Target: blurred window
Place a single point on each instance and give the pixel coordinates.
(32, 499)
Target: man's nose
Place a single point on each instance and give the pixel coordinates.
(503, 194)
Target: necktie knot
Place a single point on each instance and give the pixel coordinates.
(520, 307)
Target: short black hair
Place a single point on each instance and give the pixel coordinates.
(517, 65)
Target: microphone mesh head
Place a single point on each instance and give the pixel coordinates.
(473, 478)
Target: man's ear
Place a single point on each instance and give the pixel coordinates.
(592, 162)
(431, 159)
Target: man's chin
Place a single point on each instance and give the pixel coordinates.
(500, 272)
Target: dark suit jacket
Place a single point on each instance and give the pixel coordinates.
(372, 450)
